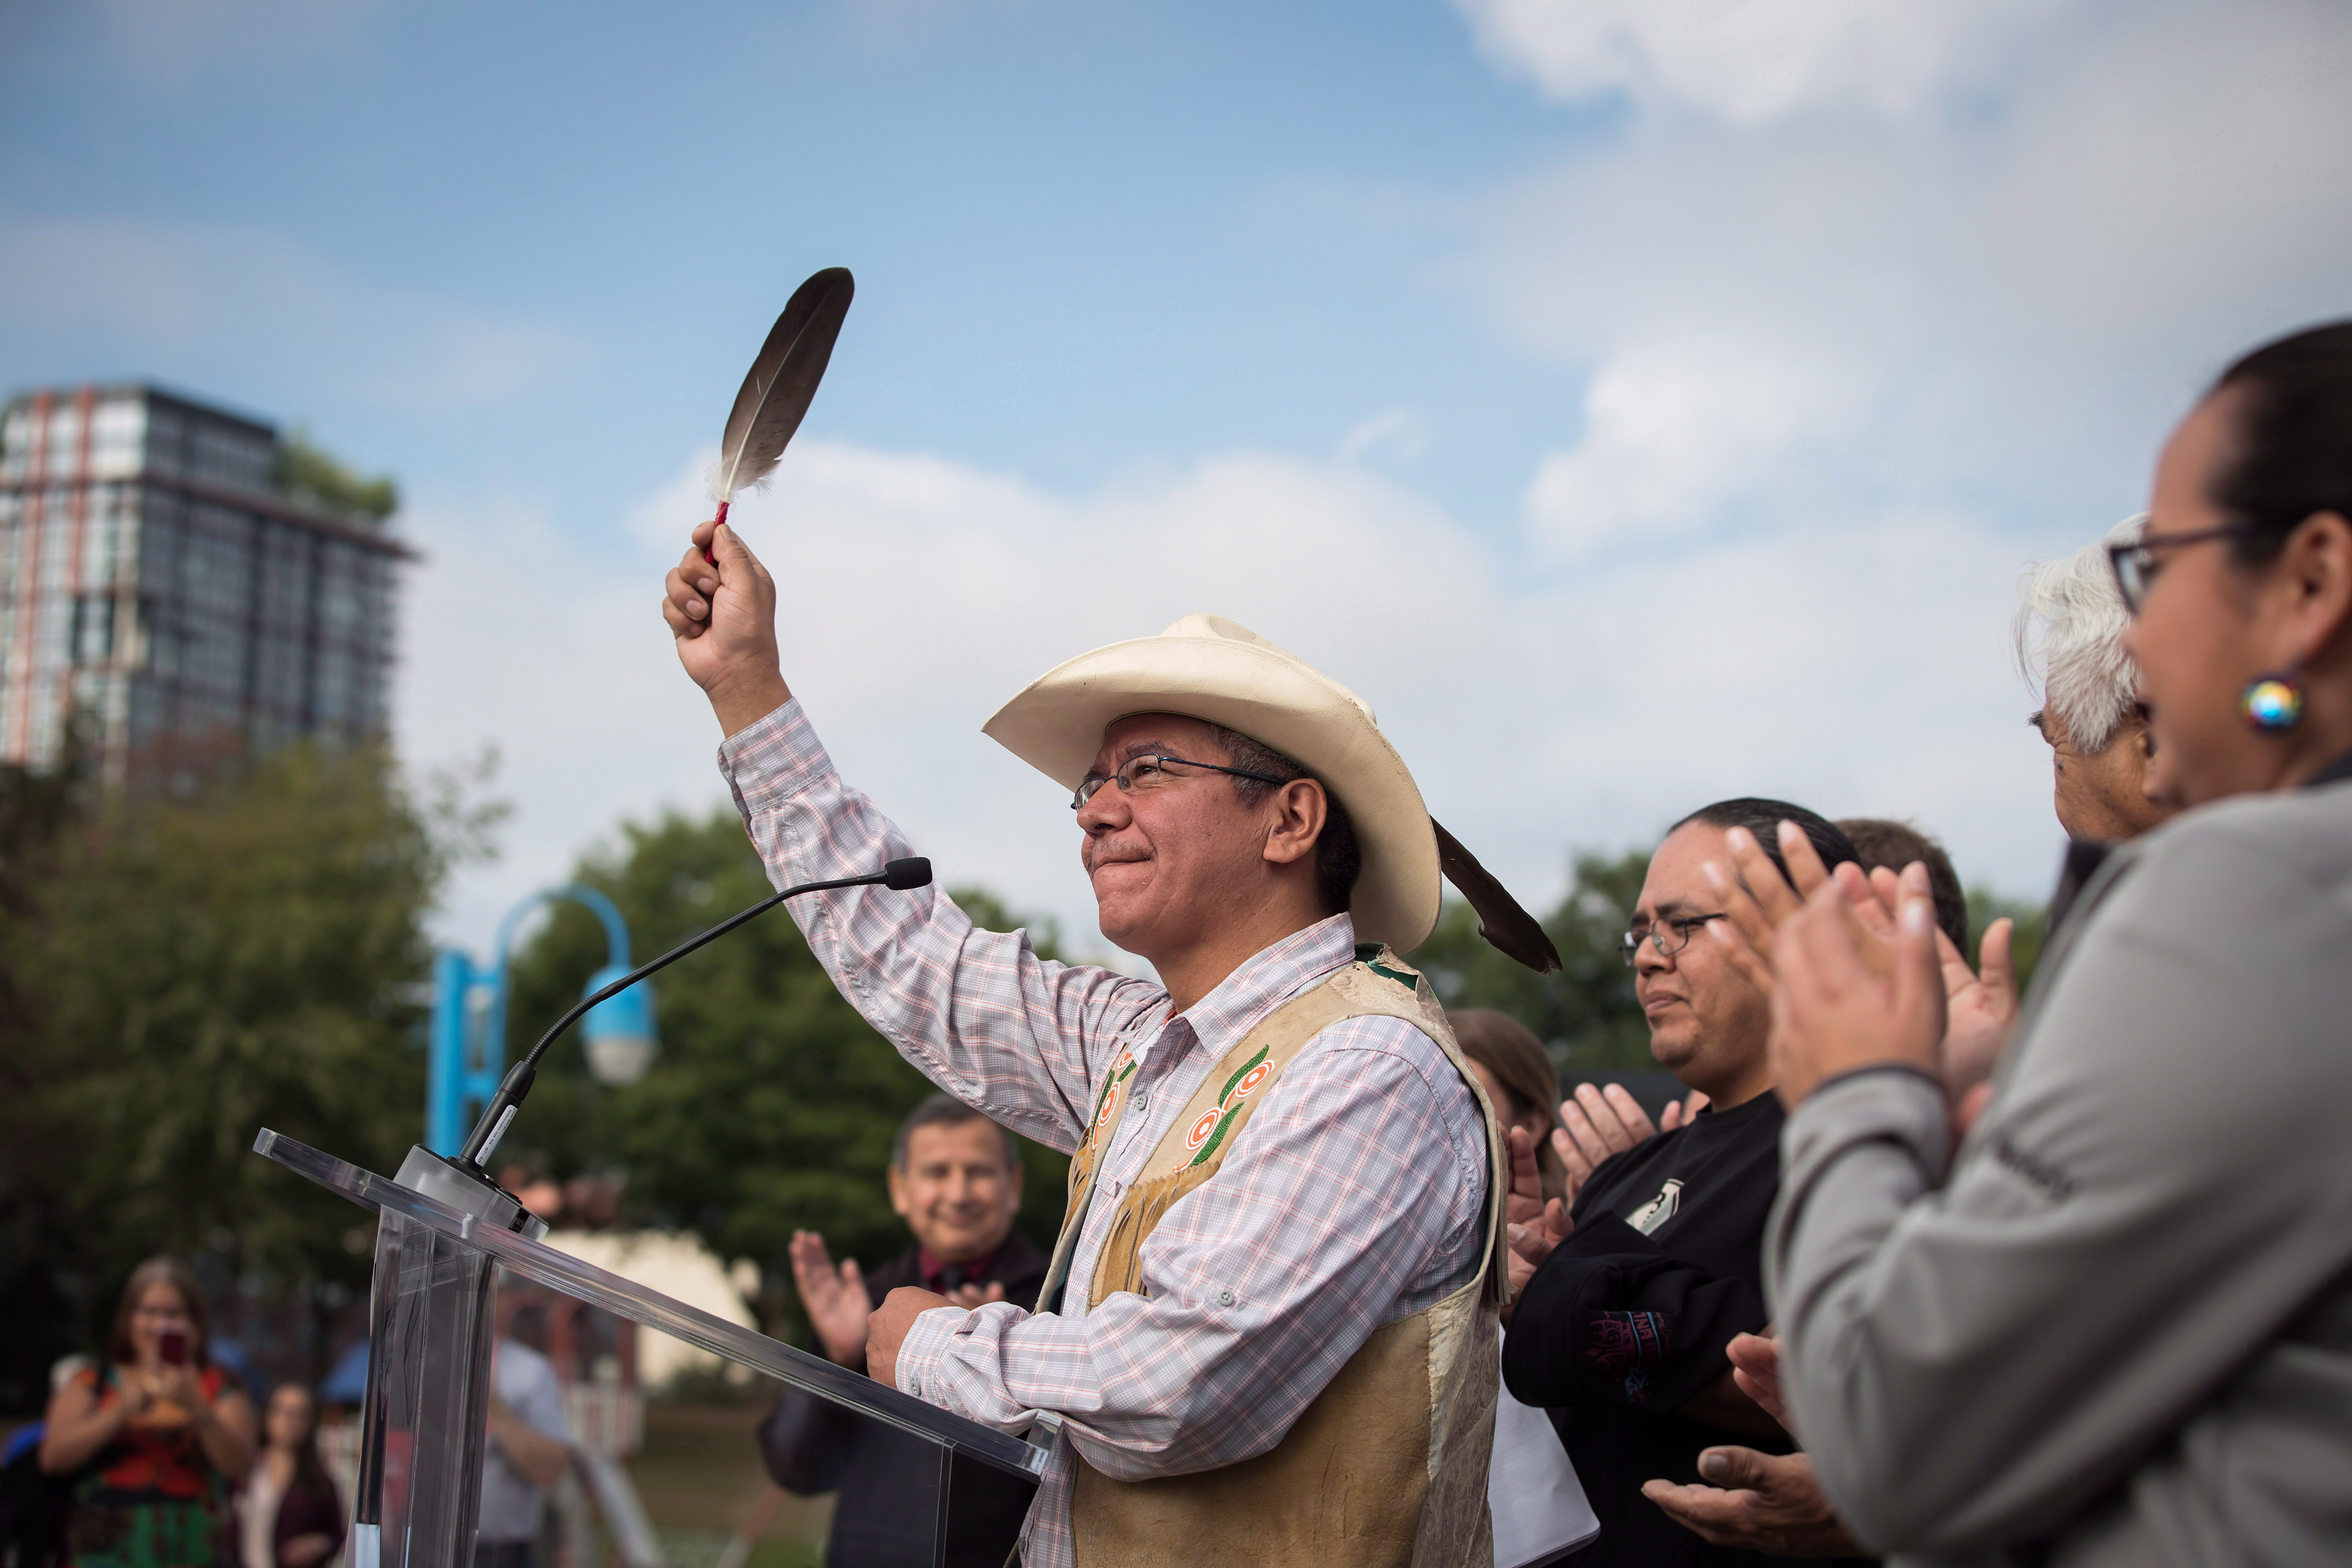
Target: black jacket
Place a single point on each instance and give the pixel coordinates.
(886, 1478)
(1628, 1317)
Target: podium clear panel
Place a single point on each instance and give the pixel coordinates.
(442, 1234)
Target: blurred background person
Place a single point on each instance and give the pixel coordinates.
(529, 1445)
(155, 1439)
(955, 1179)
(2069, 631)
(1520, 1080)
(2067, 1344)
(1882, 841)
(1538, 1506)
(33, 1503)
(1637, 1289)
(288, 1514)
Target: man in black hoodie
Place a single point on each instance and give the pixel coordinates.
(1622, 1329)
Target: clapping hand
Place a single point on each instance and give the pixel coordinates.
(1833, 1012)
(835, 1299)
(1599, 1123)
(1534, 1226)
(1980, 1005)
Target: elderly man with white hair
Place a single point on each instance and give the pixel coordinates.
(2070, 644)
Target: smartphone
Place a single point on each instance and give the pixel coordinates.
(172, 1347)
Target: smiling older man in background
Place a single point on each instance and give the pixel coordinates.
(955, 1179)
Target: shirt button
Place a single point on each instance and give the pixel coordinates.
(915, 1387)
(1224, 1297)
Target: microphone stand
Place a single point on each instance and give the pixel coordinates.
(912, 872)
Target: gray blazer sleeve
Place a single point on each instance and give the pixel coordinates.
(2161, 1184)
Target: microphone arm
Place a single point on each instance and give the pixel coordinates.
(912, 872)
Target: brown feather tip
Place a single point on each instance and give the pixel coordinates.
(1502, 921)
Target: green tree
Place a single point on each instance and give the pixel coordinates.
(313, 478)
(193, 970)
(773, 1104)
(1586, 1013)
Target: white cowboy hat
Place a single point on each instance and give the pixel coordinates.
(1208, 668)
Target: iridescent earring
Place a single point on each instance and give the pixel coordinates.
(2271, 703)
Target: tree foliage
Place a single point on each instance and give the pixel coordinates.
(311, 477)
(773, 1104)
(185, 971)
(1586, 1013)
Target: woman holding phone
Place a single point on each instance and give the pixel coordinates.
(156, 1437)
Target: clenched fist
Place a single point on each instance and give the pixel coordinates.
(722, 611)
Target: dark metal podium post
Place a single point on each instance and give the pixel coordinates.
(440, 1236)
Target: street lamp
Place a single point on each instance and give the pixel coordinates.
(463, 1066)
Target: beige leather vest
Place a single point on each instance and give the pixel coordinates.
(1387, 1468)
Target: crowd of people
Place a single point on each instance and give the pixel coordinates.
(1917, 1269)
(156, 1457)
(1914, 1269)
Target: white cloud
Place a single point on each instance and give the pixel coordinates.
(1807, 320)
(1398, 434)
(1675, 431)
(1748, 62)
(1859, 668)
(206, 288)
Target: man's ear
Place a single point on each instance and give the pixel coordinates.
(1300, 811)
(902, 1203)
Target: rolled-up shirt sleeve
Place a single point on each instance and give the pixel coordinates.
(1260, 1285)
(1018, 1038)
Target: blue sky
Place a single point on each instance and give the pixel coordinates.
(1639, 401)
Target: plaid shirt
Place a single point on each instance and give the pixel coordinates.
(1352, 1199)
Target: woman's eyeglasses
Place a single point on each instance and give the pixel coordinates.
(2136, 562)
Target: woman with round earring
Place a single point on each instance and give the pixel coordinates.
(155, 1437)
(2115, 1323)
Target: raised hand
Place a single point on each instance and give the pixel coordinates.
(1830, 1014)
(1594, 1125)
(835, 1299)
(723, 615)
(1980, 1005)
(1758, 898)
(1533, 1227)
(1764, 1502)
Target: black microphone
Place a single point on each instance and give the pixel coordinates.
(914, 871)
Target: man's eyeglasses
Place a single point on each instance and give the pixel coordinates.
(2136, 561)
(1147, 773)
(1668, 936)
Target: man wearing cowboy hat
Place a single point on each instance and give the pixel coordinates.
(1269, 1327)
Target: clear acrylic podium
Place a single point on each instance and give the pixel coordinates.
(441, 1235)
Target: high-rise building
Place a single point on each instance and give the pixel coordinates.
(163, 591)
